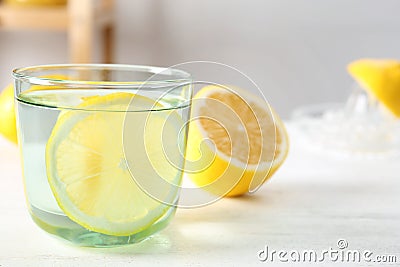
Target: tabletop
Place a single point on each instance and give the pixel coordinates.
(317, 209)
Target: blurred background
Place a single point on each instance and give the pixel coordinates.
(296, 51)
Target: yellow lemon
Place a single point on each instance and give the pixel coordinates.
(7, 107)
(7, 114)
(36, 2)
(87, 169)
(381, 78)
(236, 142)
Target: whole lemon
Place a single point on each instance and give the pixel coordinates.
(7, 108)
(7, 114)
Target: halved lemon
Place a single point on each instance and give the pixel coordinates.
(236, 142)
(381, 79)
(87, 169)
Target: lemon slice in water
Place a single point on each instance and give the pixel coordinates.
(87, 169)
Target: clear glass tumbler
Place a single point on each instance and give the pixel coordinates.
(102, 148)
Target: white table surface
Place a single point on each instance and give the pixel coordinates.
(310, 203)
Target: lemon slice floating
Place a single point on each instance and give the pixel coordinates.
(249, 143)
(87, 170)
(380, 78)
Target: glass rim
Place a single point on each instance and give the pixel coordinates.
(172, 78)
(177, 75)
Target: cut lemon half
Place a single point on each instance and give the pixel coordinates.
(87, 169)
(381, 79)
(236, 142)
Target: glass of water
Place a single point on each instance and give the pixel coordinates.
(102, 148)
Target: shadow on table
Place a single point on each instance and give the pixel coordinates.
(211, 227)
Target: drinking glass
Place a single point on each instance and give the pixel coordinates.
(102, 148)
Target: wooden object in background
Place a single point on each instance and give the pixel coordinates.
(79, 18)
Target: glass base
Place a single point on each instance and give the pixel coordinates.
(62, 227)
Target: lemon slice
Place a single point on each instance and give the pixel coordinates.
(249, 144)
(381, 78)
(87, 170)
